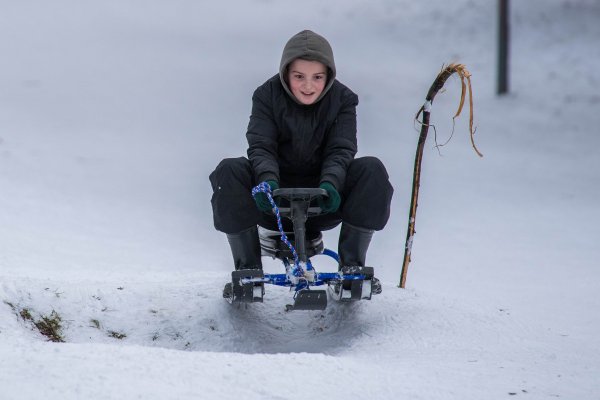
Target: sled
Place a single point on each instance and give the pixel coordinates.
(295, 250)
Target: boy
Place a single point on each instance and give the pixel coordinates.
(302, 133)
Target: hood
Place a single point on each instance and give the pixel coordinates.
(311, 47)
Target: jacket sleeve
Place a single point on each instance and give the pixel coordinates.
(262, 138)
(341, 145)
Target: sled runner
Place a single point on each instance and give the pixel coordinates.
(295, 249)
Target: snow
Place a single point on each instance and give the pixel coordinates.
(113, 114)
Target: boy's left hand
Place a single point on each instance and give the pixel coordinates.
(331, 203)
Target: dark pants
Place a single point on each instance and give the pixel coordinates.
(366, 197)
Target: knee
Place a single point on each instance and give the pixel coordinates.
(369, 194)
(233, 165)
(369, 165)
(238, 168)
(369, 172)
(232, 171)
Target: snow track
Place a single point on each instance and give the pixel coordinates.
(385, 341)
(181, 316)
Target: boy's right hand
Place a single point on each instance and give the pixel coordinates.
(261, 199)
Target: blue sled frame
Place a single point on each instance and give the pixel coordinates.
(350, 283)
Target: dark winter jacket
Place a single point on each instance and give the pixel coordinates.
(293, 143)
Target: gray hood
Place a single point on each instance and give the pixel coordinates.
(309, 46)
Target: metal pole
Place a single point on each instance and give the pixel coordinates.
(503, 39)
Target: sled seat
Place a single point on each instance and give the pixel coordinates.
(272, 246)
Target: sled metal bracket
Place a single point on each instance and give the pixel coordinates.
(306, 299)
(354, 285)
(247, 286)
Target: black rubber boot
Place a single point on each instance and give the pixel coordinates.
(245, 248)
(352, 249)
(353, 245)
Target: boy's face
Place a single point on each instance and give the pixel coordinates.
(307, 80)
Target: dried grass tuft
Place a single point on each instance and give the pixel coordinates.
(465, 82)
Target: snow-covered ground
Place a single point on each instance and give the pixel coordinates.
(113, 113)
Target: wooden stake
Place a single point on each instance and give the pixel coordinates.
(438, 83)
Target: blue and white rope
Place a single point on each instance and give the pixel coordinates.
(265, 188)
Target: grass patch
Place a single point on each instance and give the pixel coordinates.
(117, 335)
(26, 315)
(49, 326)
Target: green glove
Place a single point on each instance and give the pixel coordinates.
(331, 203)
(261, 199)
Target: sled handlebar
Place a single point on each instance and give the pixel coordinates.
(300, 196)
(299, 193)
(298, 211)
